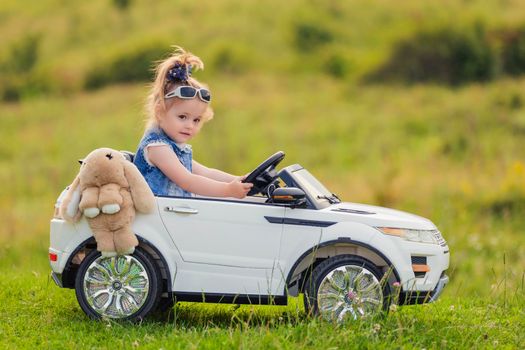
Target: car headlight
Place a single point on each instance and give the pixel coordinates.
(423, 236)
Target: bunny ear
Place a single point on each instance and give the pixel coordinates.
(69, 209)
(143, 198)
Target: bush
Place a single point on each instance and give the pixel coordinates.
(17, 70)
(446, 56)
(513, 52)
(127, 66)
(231, 60)
(309, 36)
(10, 89)
(23, 55)
(121, 4)
(506, 206)
(336, 65)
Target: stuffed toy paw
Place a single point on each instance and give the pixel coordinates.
(91, 212)
(108, 190)
(111, 254)
(129, 251)
(110, 209)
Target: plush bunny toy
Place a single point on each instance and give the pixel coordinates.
(107, 190)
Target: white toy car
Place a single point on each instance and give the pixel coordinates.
(350, 260)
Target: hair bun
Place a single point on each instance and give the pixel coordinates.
(180, 72)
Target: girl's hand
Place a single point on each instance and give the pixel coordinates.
(242, 177)
(238, 189)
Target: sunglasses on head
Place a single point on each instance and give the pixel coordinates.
(187, 92)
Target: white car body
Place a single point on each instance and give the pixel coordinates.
(250, 251)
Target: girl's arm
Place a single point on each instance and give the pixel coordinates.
(167, 161)
(214, 174)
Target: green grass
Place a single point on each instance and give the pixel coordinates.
(35, 313)
(455, 156)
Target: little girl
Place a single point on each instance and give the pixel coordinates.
(177, 106)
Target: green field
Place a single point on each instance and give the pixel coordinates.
(453, 154)
(35, 314)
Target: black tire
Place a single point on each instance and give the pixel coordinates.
(351, 299)
(166, 304)
(115, 286)
(165, 311)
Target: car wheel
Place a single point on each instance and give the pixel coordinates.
(166, 304)
(345, 287)
(125, 287)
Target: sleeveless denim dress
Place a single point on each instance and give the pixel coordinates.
(160, 184)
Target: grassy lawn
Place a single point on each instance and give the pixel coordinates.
(35, 313)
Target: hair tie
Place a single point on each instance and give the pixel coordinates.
(179, 73)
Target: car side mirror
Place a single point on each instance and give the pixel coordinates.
(292, 196)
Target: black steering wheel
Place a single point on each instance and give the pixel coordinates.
(264, 174)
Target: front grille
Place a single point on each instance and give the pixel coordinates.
(419, 260)
(441, 241)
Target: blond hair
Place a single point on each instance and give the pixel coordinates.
(161, 85)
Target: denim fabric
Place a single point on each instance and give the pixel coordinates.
(160, 184)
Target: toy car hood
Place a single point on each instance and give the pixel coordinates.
(378, 216)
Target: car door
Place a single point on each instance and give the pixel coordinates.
(223, 232)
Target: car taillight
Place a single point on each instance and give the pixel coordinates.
(53, 257)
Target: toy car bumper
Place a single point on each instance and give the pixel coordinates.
(443, 281)
(420, 297)
(57, 278)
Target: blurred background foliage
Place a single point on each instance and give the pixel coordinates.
(416, 105)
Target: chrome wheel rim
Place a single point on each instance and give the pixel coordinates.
(349, 292)
(116, 287)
